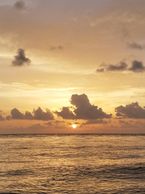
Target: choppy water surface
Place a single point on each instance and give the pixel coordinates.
(76, 164)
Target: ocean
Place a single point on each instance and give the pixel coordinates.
(72, 164)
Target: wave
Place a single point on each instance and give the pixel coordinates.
(136, 171)
(7, 193)
(18, 172)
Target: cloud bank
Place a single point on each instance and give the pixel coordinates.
(37, 114)
(81, 109)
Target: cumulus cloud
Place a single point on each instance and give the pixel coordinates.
(136, 46)
(20, 59)
(66, 113)
(39, 114)
(85, 110)
(133, 110)
(82, 109)
(20, 5)
(16, 114)
(28, 115)
(136, 67)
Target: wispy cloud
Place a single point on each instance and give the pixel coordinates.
(136, 67)
(135, 46)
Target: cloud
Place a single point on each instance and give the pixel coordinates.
(136, 46)
(20, 5)
(21, 59)
(136, 67)
(66, 113)
(82, 109)
(122, 66)
(28, 115)
(39, 114)
(85, 110)
(133, 110)
(16, 114)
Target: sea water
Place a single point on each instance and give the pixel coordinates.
(72, 164)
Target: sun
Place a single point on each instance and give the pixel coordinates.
(74, 125)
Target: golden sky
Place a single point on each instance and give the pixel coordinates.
(66, 43)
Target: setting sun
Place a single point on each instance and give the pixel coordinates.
(74, 125)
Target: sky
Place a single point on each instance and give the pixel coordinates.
(81, 61)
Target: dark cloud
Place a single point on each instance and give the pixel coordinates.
(39, 114)
(85, 110)
(21, 59)
(66, 113)
(28, 115)
(122, 66)
(16, 114)
(133, 110)
(82, 109)
(136, 67)
(20, 5)
(136, 46)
